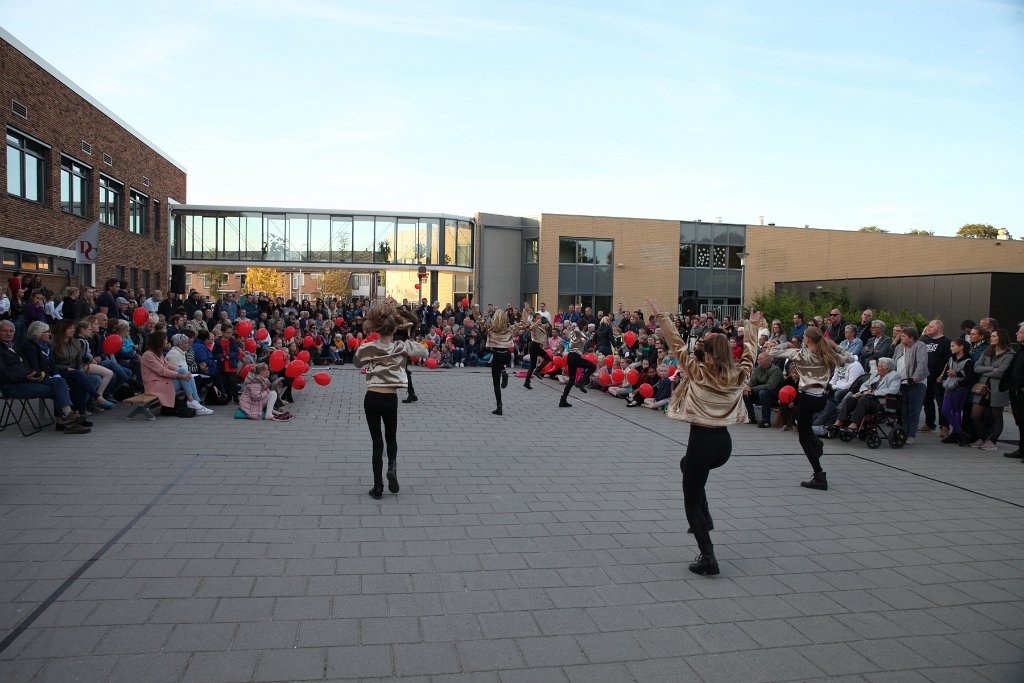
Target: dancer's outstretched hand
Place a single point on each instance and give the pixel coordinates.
(654, 306)
(756, 317)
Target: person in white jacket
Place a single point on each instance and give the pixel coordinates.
(176, 356)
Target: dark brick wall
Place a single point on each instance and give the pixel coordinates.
(62, 119)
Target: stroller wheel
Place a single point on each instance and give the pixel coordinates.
(845, 435)
(897, 437)
(874, 441)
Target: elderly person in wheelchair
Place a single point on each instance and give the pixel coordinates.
(870, 397)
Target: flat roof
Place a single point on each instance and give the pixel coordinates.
(338, 212)
(52, 70)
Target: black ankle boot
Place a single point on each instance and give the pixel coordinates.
(581, 387)
(377, 492)
(817, 481)
(705, 564)
(497, 411)
(411, 398)
(527, 384)
(393, 481)
(564, 404)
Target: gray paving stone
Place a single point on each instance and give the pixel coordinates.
(361, 661)
(300, 664)
(426, 658)
(221, 667)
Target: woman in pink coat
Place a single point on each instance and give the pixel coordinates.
(158, 375)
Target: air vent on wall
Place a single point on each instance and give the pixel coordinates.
(108, 160)
(19, 109)
(86, 147)
(145, 180)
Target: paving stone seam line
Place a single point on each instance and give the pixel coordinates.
(939, 481)
(25, 623)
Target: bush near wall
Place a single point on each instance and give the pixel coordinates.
(783, 304)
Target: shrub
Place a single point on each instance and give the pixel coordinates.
(783, 304)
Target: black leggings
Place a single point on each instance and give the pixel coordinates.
(499, 359)
(380, 407)
(707, 449)
(574, 362)
(806, 407)
(408, 380)
(536, 352)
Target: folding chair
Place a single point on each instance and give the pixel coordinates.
(16, 410)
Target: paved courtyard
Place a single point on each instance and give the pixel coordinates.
(545, 545)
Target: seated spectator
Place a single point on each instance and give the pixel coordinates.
(855, 406)
(19, 380)
(259, 396)
(158, 374)
(790, 378)
(762, 390)
(104, 378)
(662, 390)
(177, 356)
(69, 358)
(845, 378)
(852, 343)
(227, 353)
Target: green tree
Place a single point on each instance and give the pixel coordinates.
(334, 283)
(982, 231)
(215, 277)
(872, 228)
(930, 233)
(781, 305)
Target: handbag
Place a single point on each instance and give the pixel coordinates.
(980, 389)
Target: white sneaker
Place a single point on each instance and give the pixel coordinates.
(203, 410)
(909, 441)
(195, 405)
(987, 446)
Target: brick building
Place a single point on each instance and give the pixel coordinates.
(69, 163)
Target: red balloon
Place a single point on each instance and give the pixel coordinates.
(299, 383)
(372, 337)
(559, 361)
(322, 378)
(632, 376)
(353, 343)
(305, 367)
(617, 376)
(609, 361)
(289, 332)
(140, 316)
(429, 344)
(303, 356)
(437, 331)
(431, 363)
(244, 372)
(465, 302)
(592, 357)
(549, 368)
(338, 322)
(244, 328)
(294, 369)
(417, 285)
(605, 379)
(671, 370)
(112, 344)
(787, 395)
(278, 359)
(630, 338)
(250, 345)
(262, 335)
(646, 390)
(308, 342)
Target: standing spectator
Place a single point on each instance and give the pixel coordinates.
(835, 327)
(937, 344)
(979, 343)
(877, 346)
(851, 343)
(152, 304)
(864, 329)
(799, 326)
(107, 301)
(990, 370)
(913, 367)
(1014, 380)
(957, 379)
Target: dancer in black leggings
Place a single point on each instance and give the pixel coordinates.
(574, 361)
(410, 322)
(815, 362)
(385, 360)
(709, 397)
(538, 347)
(499, 339)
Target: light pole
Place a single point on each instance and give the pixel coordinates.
(743, 270)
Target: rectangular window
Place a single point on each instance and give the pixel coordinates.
(74, 186)
(156, 280)
(133, 282)
(188, 279)
(604, 252)
(138, 212)
(686, 252)
(156, 219)
(464, 246)
(384, 241)
(111, 192)
(531, 250)
(145, 281)
(119, 273)
(585, 252)
(450, 230)
(566, 251)
(26, 167)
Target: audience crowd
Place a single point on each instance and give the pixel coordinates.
(87, 350)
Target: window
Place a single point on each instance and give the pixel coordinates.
(585, 252)
(119, 273)
(74, 186)
(188, 279)
(156, 280)
(566, 251)
(145, 281)
(26, 167)
(138, 212)
(603, 253)
(156, 221)
(686, 252)
(531, 250)
(110, 201)
(133, 283)
(464, 245)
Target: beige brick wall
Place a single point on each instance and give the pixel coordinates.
(647, 249)
(786, 254)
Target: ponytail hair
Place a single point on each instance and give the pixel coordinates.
(824, 348)
(383, 318)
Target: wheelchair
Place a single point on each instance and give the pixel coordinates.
(884, 422)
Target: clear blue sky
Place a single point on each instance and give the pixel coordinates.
(901, 114)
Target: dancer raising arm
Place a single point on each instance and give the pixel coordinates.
(814, 362)
(385, 361)
(710, 397)
(405, 332)
(574, 361)
(499, 338)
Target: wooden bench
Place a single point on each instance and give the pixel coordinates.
(144, 405)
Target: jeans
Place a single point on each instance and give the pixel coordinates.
(382, 408)
(81, 387)
(953, 408)
(121, 374)
(55, 388)
(187, 385)
(459, 355)
(707, 449)
(913, 400)
(933, 396)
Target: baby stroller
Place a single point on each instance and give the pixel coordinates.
(882, 423)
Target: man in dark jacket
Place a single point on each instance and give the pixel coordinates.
(763, 390)
(1014, 380)
(937, 343)
(877, 346)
